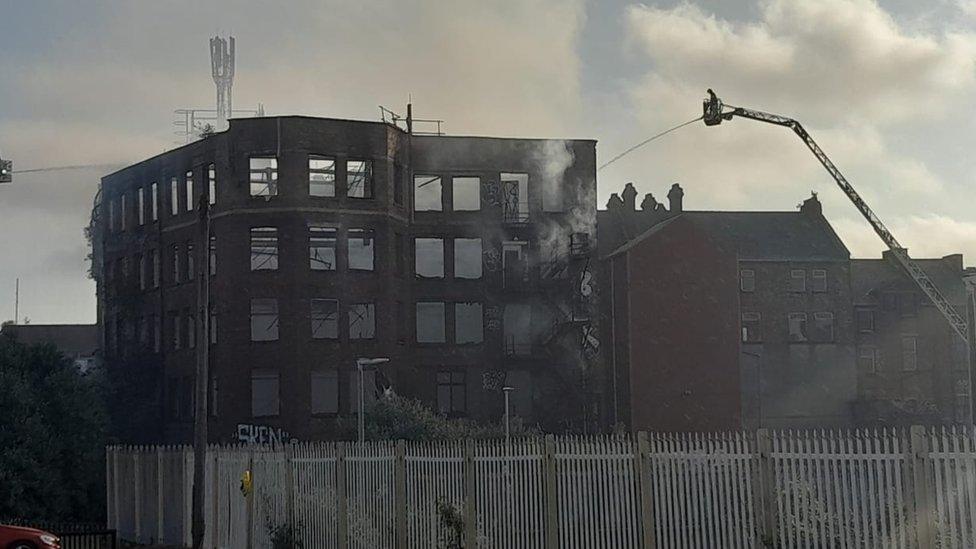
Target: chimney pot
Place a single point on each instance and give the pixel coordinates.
(676, 198)
(615, 202)
(630, 197)
(649, 204)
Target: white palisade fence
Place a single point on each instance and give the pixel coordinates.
(852, 488)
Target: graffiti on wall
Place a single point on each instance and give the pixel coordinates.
(262, 434)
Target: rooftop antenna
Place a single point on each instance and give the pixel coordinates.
(222, 67)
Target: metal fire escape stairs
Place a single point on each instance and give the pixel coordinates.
(715, 112)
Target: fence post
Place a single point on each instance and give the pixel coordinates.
(552, 511)
(924, 520)
(290, 484)
(342, 505)
(647, 498)
(159, 495)
(470, 496)
(136, 490)
(400, 494)
(250, 500)
(115, 488)
(214, 531)
(764, 487)
(187, 495)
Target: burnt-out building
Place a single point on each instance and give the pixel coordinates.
(464, 260)
(728, 320)
(912, 367)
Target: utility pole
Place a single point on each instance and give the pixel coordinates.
(201, 410)
(17, 301)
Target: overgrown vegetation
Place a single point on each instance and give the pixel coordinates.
(53, 428)
(393, 417)
(451, 521)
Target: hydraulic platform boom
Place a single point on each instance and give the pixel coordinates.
(715, 112)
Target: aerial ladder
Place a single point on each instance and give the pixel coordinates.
(715, 112)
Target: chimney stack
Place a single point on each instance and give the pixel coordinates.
(630, 197)
(812, 206)
(649, 204)
(675, 197)
(615, 203)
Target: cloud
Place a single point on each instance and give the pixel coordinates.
(830, 60)
(102, 87)
(925, 236)
(864, 85)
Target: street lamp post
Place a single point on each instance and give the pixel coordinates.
(508, 432)
(360, 364)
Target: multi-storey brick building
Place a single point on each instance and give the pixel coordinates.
(727, 320)
(464, 260)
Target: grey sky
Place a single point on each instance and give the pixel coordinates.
(886, 89)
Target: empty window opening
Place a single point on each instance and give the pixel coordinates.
(867, 358)
(515, 197)
(322, 248)
(451, 393)
(747, 280)
(123, 211)
(429, 257)
(517, 329)
(324, 386)
(362, 321)
(515, 263)
(154, 201)
(798, 280)
(798, 327)
(141, 262)
(751, 327)
(212, 257)
(427, 193)
(360, 245)
(265, 401)
(359, 179)
(468, 323)
(264, 249)
(141, 206)
(155, 268)
(321, 176)
(174, 196)
(909, 353)
(467, 193)
(177, 271)
(188, 186)
(214, 396)
(211, 185)
(325, 319)
(818, 281)
(467, 258)
(263, 175)
(823, 324)
(556, 263)
(264, 319)
(430, 322)
(190, 263)
(865, 320)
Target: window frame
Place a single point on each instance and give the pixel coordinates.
(365, 231)
(481, 316)
(454, 194)
(455, 383)
(798, 281)
(312, 171)
(817, 276)
(416, 256)
(368, 191)
(327, 374)
(431, 179)
(371, 308)
(823, 316)
(751, 336)
(804, 335)
(335, 319)
(443, 322)
(266, 235)
(274, 315)
(479, 262)
(270, 172)
(317, 241)
(268, 375)
(742, 281)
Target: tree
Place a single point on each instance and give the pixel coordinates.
(393, 417)
(52, 436)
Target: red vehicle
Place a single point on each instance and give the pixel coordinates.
(20, 537)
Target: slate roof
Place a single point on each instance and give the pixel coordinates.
(771, 236)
